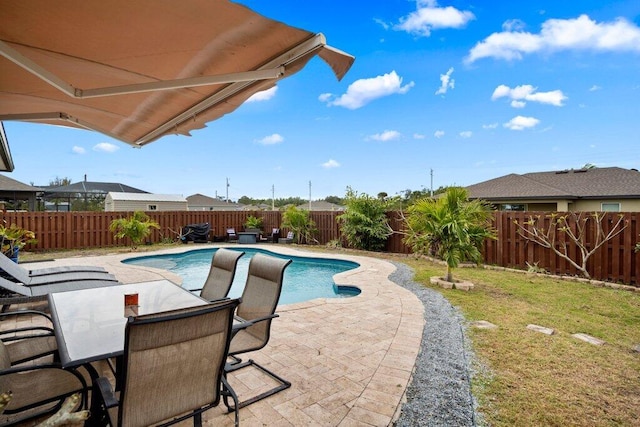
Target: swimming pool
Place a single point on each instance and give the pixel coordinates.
(304, 279)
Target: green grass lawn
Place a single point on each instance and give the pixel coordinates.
(525, 378)
(532, 379)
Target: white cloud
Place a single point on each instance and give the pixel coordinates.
(264, 95)
(381, 23)
(387, 135)
(418, 136)
(581, 33)
(438, 133)
(78, 150)
(446, 82)
(594, 88)
(466, 134)
(330, 164)
(276, 138)
(513, 25)
(363, 91)
(106, 147)
(428, 16)
(324, 97)
(490, 126)
(523, 93)
(520, 123)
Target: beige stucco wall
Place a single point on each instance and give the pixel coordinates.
(140, 205)
(596, 205)
(576, 206)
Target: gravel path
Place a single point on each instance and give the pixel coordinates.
(439, 393)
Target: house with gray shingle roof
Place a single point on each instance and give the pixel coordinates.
(14, 193)
(321, 205)
(200, 202)
(596, 189)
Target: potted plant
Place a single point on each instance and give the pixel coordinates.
(253, 223)
(14, 238)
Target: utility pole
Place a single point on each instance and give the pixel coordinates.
(273, 197)
(309, 196)
(431, 182)
(227, 190)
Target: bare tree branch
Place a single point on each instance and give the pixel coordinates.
(532, 230)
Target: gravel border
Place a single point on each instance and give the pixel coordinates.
(440, 391)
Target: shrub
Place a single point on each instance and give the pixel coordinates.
(298, 221)
(136, 228)
(364, 223)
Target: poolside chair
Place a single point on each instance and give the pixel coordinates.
(231, 235)
(18, 293)
(221, 274)
(172, 368)
(39, 387)
(274, 236)
(288, 239)
(43, 276)
(255, 312)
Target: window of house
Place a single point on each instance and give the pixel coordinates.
(513, 207)
(610, 207)
(153, 208)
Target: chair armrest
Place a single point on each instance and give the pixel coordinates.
(29, 368)
(244, 324)
(26, 329)
(24, 313)
(107, 394)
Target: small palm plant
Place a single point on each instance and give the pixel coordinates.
(299, 221)
(451, 227)
(136, 228)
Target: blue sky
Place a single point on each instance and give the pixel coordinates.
(472, 90)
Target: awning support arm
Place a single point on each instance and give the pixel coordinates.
(31, 66)
(310, 46)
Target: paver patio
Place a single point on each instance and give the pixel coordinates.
(349, 359)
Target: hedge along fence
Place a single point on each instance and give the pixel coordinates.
(616, 261)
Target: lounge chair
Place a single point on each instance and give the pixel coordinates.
(18, 293)
(39, 387)
(172, 368)
(255, 312)
(44, 276)
(288, 239)
(232, 236)
(221, 274)
(274, 236)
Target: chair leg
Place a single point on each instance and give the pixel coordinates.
(228, 391)
(197, 420)
(283, 384)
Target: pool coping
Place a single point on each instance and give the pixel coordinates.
(350, 360)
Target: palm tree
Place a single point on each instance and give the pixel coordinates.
(450, 227)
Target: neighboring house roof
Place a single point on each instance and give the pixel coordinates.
(93, 187)
(146, 197)
(321, 205)
(10, 184)
(596, 183)
(202, 200)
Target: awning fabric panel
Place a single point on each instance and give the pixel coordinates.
(97, 44)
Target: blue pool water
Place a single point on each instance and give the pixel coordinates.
(304, 279)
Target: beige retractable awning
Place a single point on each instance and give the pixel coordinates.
(140, 70)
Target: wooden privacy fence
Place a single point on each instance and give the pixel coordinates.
(616, 261)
